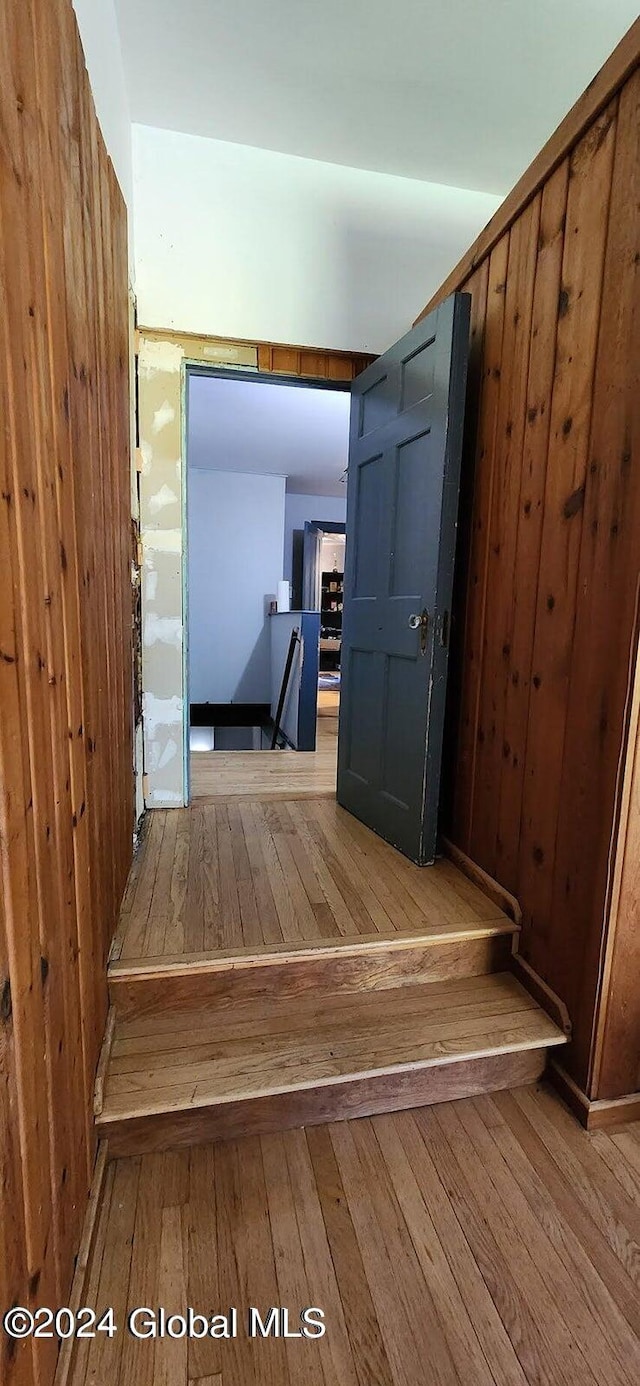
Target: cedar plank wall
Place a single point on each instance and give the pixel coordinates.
(66, 782)
(549, 551)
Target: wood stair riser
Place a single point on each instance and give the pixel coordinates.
(358, 1097)
(148, 989)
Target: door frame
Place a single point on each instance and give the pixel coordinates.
(163, 360)
(326, 527)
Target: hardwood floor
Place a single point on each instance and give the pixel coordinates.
(268, 774)
(230, 875)
(328, 702)
(486, 1242)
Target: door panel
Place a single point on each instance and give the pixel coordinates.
(404, 469)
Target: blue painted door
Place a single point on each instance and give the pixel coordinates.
(407, 416)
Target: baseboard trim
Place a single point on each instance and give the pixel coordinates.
(541, 991)
(600, 1114)
(103, 1061)
(492, 889)
(78, 1297)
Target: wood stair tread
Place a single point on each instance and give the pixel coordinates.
(187, 1060)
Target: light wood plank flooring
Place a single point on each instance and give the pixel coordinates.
(268, 774)
(230, 875)
(328, 704)
(486, 1242)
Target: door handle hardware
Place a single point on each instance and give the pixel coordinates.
(421, 623)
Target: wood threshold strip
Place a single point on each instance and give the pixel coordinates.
(605, 84)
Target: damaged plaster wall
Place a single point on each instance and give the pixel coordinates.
(160, 384)
(161, 366)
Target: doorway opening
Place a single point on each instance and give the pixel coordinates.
(265, 456)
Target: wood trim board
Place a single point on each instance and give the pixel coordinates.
(595, 1115)
(489, 887)
(78, 1297)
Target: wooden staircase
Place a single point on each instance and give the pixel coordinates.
(217, 1046)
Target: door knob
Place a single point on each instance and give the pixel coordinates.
(421, 622)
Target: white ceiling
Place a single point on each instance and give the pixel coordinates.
(253, 426)
(462, 92)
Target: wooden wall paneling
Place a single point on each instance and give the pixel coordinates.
(459, 732)
(603, 639)
(534, 410)
(557, 701)
(284, 358)
(60, 954)
(304, 361)
(92, 532)
(30, 589)
(26, 1246)
(475, 602)
(472, 736)
(501, 574)
(21, 985)
(74, 116)
(616, 1066)
(16, 1359)
(65, 820)
(103, 518)
(590, 171)
(63, 553)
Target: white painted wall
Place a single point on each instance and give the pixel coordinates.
(236, 531)
(240, 242)
(298, 509)
(100, 36)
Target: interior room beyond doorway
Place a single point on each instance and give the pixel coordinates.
(267, 462)
(332, 551)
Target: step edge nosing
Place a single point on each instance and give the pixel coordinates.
(332, 1080)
